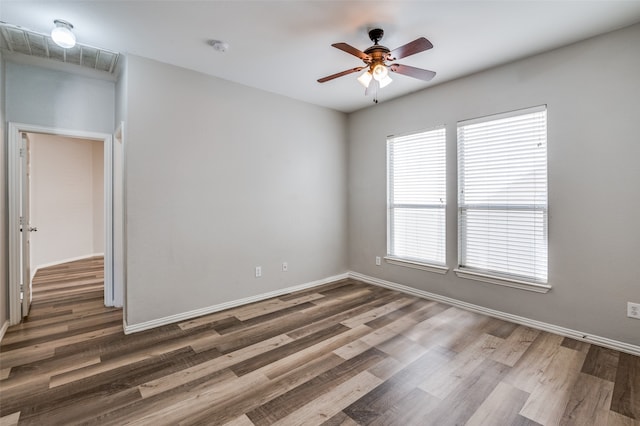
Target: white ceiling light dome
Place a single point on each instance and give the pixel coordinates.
(62, 34)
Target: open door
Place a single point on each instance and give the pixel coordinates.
(25, 225)
(19, 230)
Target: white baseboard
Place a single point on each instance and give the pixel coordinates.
(134, 328)
(59, 262)
(3, 329)
(563, 331)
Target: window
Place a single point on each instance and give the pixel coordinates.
(502, 196)
(417, 198)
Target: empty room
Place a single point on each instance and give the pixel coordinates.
(319, 212)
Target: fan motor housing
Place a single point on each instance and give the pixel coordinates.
(377, 53)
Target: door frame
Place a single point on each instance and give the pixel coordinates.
(13, 184)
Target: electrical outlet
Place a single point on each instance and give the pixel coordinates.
(285, 267)
(378, 260)
(258, 271)
(633, 310)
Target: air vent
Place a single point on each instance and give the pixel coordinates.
(20, 40)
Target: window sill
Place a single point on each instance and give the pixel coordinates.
(438, 269)
(492, 279)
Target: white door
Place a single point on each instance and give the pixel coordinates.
(25, 225)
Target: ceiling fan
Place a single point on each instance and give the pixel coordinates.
(376, 57)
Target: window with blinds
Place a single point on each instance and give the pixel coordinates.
(416, 167)
(502, 195)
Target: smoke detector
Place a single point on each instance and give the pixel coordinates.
(219, 46)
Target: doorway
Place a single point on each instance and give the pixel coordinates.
(66, 206)
(19, 209)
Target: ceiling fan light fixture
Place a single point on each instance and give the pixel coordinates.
(62, 34)
(380, 72)
(365, 78)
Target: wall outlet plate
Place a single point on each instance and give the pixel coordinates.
(285, 266)
(633, 310)
(258, 271)
(378, 260)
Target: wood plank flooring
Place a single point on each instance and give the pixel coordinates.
(345, 353)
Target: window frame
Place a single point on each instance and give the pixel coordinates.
(493, 276)
(431, 265)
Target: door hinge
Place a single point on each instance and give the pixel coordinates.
(21, 220)
(21, 152)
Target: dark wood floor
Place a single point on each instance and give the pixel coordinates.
(340, 354)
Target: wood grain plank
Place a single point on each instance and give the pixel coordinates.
(414, 408)
(469, 394)
(626, 391)
(373, 314)
(589, 402)
(297, 397)
(547, 402)
(449, 377)
(601, 362)
(181, 377)
(242, 420)
(514, 346)
(208, 367)
(272, 305)
(332, 402)
(364, 306)
(111, 364)
(292, 348)
(301, 357)
(617, 419)
(501, 407)
(576, 345)
(10, 420)
(393, 390)
(340, 419)
(530, 367)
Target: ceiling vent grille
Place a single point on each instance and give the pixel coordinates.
(20, 40)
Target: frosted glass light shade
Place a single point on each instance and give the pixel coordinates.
(380, 72)
(385, 81)
(62, 34)
(365, 78)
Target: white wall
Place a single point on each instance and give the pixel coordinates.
(58, 99)
(592, 90)
(66, 201)
(221, 178)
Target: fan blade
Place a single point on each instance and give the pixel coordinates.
(414, 72)
(416, 46)
(340, 74)
(352, 50)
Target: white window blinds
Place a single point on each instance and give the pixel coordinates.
(417, 196)
(502, 195)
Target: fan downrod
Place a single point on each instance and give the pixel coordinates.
(376, 35)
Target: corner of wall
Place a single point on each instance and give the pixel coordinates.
(4, 277)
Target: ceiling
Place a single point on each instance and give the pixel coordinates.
(285, 46)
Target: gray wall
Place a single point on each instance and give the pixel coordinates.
(592, 91)
(51, 98)
(119, 266)
(4, 273)
(221, 178)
